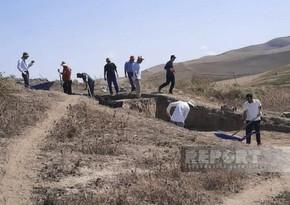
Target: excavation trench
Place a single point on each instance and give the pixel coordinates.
(200, 118)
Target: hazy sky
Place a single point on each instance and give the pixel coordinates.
(85, 32)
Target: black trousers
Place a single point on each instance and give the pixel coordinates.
(170, 78)
(67, 87)
(133, 86)
(26, 79)
(256, 126)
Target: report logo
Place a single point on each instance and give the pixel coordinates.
(235, 159)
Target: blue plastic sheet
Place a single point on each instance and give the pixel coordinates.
(43, 86)
(230, 137)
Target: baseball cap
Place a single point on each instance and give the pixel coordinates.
(140, 58)
(25, 54)
(191, 103)
(63, 63)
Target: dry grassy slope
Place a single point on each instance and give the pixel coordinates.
(243, 62)
(278, 76)
(96, 155)
(121, 157)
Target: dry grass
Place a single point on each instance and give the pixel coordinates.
(272, 97)
(18, 111)
(275, 98)
(282, 199)
(147, 169)
(165, 186)
(7, 86)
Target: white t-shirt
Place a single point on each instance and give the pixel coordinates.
(23, 66)
(252, 109)
(181, 111)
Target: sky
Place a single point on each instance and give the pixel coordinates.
(85, 32)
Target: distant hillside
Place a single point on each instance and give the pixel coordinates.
(245, 61)
(278, 76)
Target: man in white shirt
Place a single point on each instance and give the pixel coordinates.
(137, 75)
(252, 112)
(23, 68)
(180, 113)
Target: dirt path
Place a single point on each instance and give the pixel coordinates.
(21, 166)
(261, 192)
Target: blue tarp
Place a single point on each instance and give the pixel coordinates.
(43, 86)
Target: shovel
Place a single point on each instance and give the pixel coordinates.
(245, 126)
(89, 89)
(234, 138)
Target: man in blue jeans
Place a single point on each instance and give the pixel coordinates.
(110, 71)
(128, 68)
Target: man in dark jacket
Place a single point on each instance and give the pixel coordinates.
(170, 78)
(90, 83)
(110, 71)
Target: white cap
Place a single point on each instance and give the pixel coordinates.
(191, 102)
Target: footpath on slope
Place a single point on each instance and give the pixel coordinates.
(21, 167)
(257, 193)
(261, 192)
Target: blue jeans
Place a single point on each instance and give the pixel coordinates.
(114, 81)
(133, 86)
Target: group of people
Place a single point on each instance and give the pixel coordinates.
(65, 78)
(132, 71)
(251, 109)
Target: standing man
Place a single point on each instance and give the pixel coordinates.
(180, 113)
(170, 78)
(137, 76)
(129, 70)
(252, 112)
(66, 78)
(23, 68)
(90, 83)
(110, 71)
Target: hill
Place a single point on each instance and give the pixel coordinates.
(245, 61)
(278, 76)
(61, 149)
